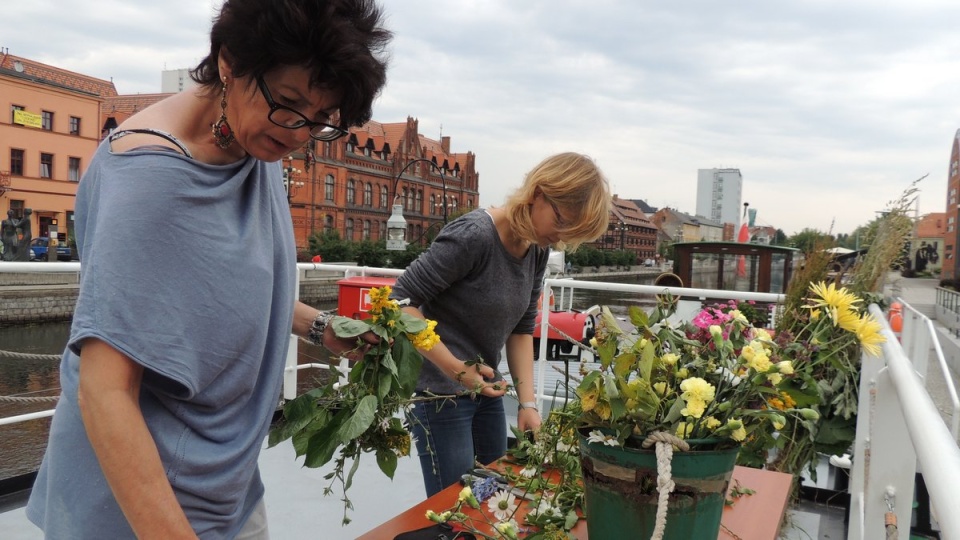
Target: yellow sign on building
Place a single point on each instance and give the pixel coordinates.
(25, 118)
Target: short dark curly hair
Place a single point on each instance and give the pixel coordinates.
(342, 42)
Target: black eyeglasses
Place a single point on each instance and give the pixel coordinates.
(286, 117)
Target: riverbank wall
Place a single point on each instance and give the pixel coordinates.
(31, 298)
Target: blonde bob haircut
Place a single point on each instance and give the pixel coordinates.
(572, 182)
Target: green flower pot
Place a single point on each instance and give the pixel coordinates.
(620, 490)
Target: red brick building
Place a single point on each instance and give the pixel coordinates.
(629, 229)
(951, 235)
(350, 184)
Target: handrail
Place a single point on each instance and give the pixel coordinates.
(941, 362)
(936, 448)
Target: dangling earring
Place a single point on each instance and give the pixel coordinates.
(222, 133)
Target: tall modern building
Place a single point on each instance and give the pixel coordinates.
(719, 195)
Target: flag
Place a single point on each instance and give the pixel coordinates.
(743, 237)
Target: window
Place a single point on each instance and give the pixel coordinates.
(349, 232)
(351, 191)
(368, 194)
(16, 161)
(13, 111)
(433, 204)
(328, 222)
(328, 188)
(46, 120)
(73, 170)
(419, 202)
(383, 196)
(74, 125)
(46, 165)
(383, 230)
(17, 207)
(366, 229)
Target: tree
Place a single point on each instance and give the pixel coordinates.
(371, 253)
(807, 239)
(330, 246)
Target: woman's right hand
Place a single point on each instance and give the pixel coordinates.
(475, 377)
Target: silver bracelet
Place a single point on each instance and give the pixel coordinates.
(318, 327)
(528, 405)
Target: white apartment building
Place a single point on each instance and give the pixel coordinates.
(719, 195)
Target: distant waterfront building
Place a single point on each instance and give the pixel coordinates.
(175, 80)
(629, 229)
(719, 195)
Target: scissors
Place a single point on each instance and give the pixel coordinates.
(480, 474)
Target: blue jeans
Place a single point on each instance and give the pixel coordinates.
(452, 434)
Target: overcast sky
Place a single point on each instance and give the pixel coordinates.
(829, 109)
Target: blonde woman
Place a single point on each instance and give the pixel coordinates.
(480, 280)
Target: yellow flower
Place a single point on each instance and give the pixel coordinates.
(847, 319)
(761, 334)
(380, 299)
(774, 378)
(778, 421)
(715, 330)
(738, 432)
(760, 362)
(832, 299)
(868, 332)
(670, 359)
(603, 410)
(711, 422)
(684, 429)
(777, 403)
(696, 394)
(426, 338)
(785, 367)
(736, 315)
(660, 388)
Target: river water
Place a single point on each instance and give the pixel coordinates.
(22, 444)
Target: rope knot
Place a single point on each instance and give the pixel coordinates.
(664, 437)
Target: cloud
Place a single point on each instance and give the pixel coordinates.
(828, 109)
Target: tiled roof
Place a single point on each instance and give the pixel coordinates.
(42, 73)
(931, 225)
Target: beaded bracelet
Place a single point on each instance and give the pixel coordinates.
(317, 328)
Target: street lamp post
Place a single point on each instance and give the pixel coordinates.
(290, 183)
(397, 225)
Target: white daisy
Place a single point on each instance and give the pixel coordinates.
(528, 472)
(502, 504)
(597, 436)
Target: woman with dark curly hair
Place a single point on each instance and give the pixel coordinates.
(175, 358)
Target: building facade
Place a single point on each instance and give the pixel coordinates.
(926, 248)
(57, 118)
(48, 133)
(629, 229)
(350, 185)
(951, 236)
(719, 195)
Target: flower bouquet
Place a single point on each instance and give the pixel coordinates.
(362, 416)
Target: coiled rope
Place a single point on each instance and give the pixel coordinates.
(665, 443)
(19, 399)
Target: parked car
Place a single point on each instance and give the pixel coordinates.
(38, 249)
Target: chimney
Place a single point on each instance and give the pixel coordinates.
(445, 144)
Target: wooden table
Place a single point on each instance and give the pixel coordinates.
(751, 517)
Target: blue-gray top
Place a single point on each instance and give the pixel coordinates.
(189, 270)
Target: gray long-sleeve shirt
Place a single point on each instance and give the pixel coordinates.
(478, 293)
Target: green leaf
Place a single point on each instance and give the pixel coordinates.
(346, 327)
(297, 414)
(383, 385)
(322, 444)
(646, 360)
(359, 421)
(412, 324)
(674, 413)
(389, 363)
(638, 317)
(387, 460)
(353, 470)
(409, 363)
(623, 363)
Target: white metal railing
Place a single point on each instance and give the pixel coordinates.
(897, 425)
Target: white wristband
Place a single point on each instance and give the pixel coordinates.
(528, 405)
